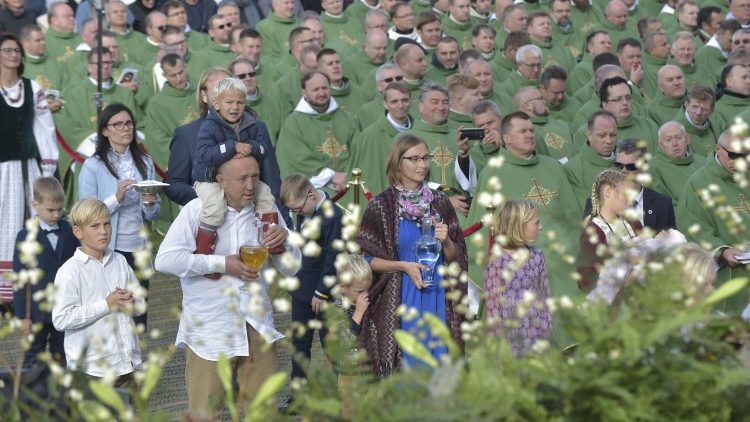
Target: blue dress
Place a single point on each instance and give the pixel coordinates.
(430, 299)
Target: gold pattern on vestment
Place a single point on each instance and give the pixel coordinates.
(43, 81)
(353, 42)
(540, 194)
(442, 157)
(332, 148)
(66, 55)
(555, 142)
(744, 206)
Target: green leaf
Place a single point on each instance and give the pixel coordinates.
(726, 290)
(411, 345)
(270, 388)
(442, 332)
(224, 368)
(107, 395)
(94, 412)
(153, 374)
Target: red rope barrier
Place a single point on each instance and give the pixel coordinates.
(70, 151)
(340, 194)
(473, 228)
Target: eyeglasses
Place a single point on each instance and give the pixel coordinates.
(742, 41)
(627, 167)
(302, 207)
(225, 25)
(161, 28)
(247, 75)
(395, 78)
(733, 155)
(416, 159)
(625, 98)
(121, 126)
(10, 50)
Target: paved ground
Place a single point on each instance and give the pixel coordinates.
(164, 304)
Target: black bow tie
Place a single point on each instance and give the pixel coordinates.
(52, 231)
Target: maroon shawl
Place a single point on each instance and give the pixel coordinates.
(378, 237)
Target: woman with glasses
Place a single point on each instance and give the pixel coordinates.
(29, 148)
(391, 226)
(109, 175)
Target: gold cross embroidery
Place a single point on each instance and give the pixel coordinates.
(332, 148)
(43, 81)
(66, 55)
(744, 206)
(556, 142)
(539, 194)
(442, 157)
(347, 39)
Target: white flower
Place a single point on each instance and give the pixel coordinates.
(155, 333)
(528, 296)
(540, 346)
(289, 283)
(75, 394)
(311, 249)
(565, 302)
(314, 324)
(282, 305)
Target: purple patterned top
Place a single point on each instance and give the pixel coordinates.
(503, 298)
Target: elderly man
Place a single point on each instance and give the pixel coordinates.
(736, 97)
(655, 55)
(674, 161)
(527, 175)
(723, 233)
(129, 40)
(482, 72)
(371, 147)
(230, 317)
(553, 86)
(683, 53)
(373, 54)
(596, 155)
(699, 122)
(665, 104)
(528, 71)
(316, 138)
(61, 39)
(444, 61)
(217, 52)
(597, 42)
(553, 137)
(539, 27)
(739, 10)
(275, 28)
(504, 62)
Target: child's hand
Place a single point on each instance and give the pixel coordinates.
(243, 150)
(26, 326)
(363, 301)
(118, 299)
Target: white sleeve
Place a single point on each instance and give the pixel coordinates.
(468, 184)
(289, 262)
(67, 311)
(322, 178)
(44, 131)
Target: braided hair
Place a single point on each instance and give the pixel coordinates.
(611, 177)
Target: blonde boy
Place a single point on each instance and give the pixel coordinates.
(92, 302)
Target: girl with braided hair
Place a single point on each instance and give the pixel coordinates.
(611, 194)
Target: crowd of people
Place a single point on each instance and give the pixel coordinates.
(600, 122)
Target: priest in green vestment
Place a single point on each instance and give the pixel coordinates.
(512, 19)
(736, 95)
(276, 27)
(655, 54)
(372, 111)
(248, 45)
(357, 10)
(76, 121)
(586, 15)
(411, 60)
(713, 56)
(373, 54)
(177, 17)
(553, 52)
(671, 96)
(444, 62)
(527, 73)
(597, 155)
(347, 95)
(217, 52)
(342, 34)
(370, 148)
(486, 115)
(597, 42)
(286, 90)
(725, 234)
(553, 138)
(699, 120)
(154, 24)
(615, 22)
(564, 30)
(482, 72)
(128, 40)
(60, 38)
(683, 53)
(504, 62)
(673, 162)
(457, 23)
(553, 86)
(316, 138)
(47, 72)
(520, 173)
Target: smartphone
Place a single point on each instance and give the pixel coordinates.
(472, 133)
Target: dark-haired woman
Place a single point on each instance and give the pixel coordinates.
(109, 175)
(28, 149)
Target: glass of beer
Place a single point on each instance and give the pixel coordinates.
(254, 253)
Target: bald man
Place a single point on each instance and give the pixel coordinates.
(673, 161)
(665, 104)
(616, 21)
(553, 137)
(358, 65)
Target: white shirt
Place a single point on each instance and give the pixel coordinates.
(80, 310)
(214, 312)
(638, 205)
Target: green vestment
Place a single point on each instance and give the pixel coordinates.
(167, 110)
(129, 43)
(616, 33)
(459, 31)
(729, 106)
(211, 55)
(668, 174)
(341, 34)
(553, 138)
(439, 74)
(581, 75)
(695, 75)
(146, 54)
(712, 231)
(502, 67)
(510, 86)
(48, 73)
(266, 75)
(702, 139)
(713, 61)
(570, 38)
(287, 91)
(268, 111)
(582, 170)
(369, 152)
(565, 111)
(59, 46)
(357, 11)
(586, 20)
(358, 66)
(275, 32)
(196, 41)
(633, 127)
(555, 54)
(663, 109)
(371, 112)
(347, 96)
(651, 65)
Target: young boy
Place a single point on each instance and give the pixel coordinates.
(58, 245)
(228, 132)
(354, 288)
(92, 301)
(299, 195)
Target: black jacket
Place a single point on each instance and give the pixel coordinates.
(658, 212)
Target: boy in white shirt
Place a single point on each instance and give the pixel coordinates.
(93, 301)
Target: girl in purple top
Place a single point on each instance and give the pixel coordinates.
(516, 281)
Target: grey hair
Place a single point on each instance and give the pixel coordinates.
(384, 68)
(484, 106)
(230, 84)
(432, 86)
(604, 73)
(660, 73)
(664, 127)
(377, 12)
(528, 48)
(683, 35)
(629, 146)
(309, 15)
(112, 2)
(740, 31)
(225, 3)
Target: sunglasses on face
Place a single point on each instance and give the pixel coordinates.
(395, 78)
(247, 75)
(225, 25)
(627, 167)
(733, 155)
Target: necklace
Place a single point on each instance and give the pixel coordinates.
(627, 228)
(7, 94)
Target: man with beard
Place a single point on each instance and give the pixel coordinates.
(316, 138)
(736, 95)
(553, 137)
(674, 161)
(597, 42)
(699, 122)
(444, 62)
(670, 97)
(217, 52)
(540, 30)
(359, 65)
(564, 31)
(553, 86)
(585, 15)
(458, 23)
(347, 96)
(528, 71)
(683, 56)
(370, 148)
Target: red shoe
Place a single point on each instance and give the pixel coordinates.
(205, 243)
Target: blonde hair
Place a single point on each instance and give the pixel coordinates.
(48, 189)
(697, 267)
(226, 85)
(360, 273)
(513, 215)
(87, 211)
(294, 187)
(611, 177)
